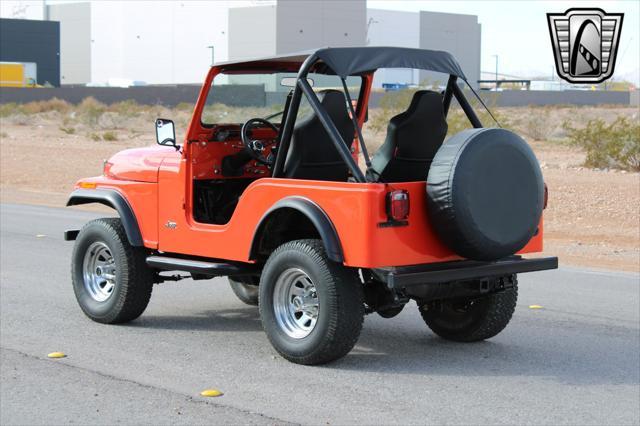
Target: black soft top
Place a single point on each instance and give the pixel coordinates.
(346, 61)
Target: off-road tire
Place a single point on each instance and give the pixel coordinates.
(133, 278)
(245, 289)
(340, 299)
(484, 318)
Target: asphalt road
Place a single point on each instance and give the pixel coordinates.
(576, 361)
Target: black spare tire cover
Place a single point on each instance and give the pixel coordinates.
(485, 193)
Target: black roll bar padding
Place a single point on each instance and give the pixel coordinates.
(285, 138)
(466, 107)
(328, 125)
(365, 153)
(448, 94)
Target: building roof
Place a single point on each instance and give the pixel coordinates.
(346, 61)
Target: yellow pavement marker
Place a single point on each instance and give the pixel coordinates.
(211, 393)
(56, 355)
(535, 307)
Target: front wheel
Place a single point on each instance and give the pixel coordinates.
(111, 280)
(472, 320)
(311, 307)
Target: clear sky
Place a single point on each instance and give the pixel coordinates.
(517, 32)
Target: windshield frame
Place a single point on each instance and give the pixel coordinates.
(211, 87)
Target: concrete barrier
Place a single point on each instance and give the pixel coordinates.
(634, 98)
(515, 98)
(254, 95)
(246, 95)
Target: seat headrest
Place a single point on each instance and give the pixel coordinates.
(332, 100)
(426, 97)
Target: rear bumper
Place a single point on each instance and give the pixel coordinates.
(405, 277)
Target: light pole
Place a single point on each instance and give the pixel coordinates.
(212, 57)
(369, 23)
(496, 56)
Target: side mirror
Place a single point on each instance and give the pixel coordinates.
(165, 132)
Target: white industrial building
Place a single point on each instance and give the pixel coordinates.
(454, 33)
(169, 42)
(294, 26)
(154, 43)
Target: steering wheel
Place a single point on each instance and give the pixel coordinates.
(255, 147)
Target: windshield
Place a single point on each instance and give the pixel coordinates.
(236, 98)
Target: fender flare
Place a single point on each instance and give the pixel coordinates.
(114, 199)
(316, 216)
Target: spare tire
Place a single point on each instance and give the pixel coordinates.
(485, 193)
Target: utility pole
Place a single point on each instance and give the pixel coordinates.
(496, 56)
(212, 57)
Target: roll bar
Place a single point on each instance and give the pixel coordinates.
(303, 86)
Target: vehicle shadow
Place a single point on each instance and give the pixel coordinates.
(570, 356)
(236, 319)
(589, 354)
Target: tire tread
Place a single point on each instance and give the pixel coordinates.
(344, 292)
(136, 278)
(496, 316)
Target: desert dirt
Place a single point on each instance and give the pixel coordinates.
(592, 220)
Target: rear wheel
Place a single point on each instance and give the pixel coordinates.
(311, 307)
(246, 289)
(111, 280)
(471, 320)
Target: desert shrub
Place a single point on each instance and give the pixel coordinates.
(128, 108)
(68, 130)
(91, 110)
(537, 124)
(614, 145)
(4, 135)
(54, 104)
(109, 136)
(95, 137)
(184, 106)
(35, 107)
(9, 109)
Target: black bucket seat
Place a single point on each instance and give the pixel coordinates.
(413, 138)
(312, 154)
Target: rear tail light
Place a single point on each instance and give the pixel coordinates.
(546, 197)
(398, 205)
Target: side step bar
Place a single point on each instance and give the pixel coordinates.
(213, 269)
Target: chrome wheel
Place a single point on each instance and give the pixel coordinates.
(99, 271)
(295, 303)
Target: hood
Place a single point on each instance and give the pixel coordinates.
(138, 164)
